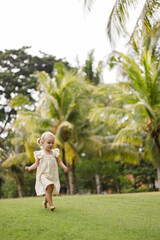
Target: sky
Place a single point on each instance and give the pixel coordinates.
(62, 28)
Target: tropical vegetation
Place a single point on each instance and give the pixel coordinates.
(108, 134)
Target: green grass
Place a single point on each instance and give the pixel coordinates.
(94, 217)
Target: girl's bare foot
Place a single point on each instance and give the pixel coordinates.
(52, 208)
(44, 203)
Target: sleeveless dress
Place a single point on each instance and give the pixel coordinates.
(47, 172)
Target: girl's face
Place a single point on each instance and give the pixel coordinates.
(48, 143)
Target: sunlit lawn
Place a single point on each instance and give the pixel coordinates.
(95, 217)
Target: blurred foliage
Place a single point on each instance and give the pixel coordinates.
(17, 77)
(9, 189)
(101, 129)
(116, 177)
(29, 184)
(93, 76)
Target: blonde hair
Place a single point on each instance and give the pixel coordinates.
(43, 137)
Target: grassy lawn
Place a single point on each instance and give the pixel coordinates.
(94, 217)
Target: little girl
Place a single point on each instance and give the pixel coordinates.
(46, 160)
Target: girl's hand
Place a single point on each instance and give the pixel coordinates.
(27, 168)
(65, 169)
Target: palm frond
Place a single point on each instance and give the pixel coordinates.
(15, 159)
(71, 153)
(103, 140)
(140, 107)
(109, 115)
(92, 146)
(144, 79)
(129, 136)
(146, 23)
(121, 152)
(44, 82)
(64, 132)
(48, 106)
(151, 152)
(118, 18)
(88, 4)
(34, 120)
(134, 72)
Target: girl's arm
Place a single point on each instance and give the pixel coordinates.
(61, 164)
(33, 166)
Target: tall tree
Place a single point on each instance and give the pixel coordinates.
(62, 101)
(17, 69)
(92, 75)
(59, 103)
(139, 94)
(15, 158)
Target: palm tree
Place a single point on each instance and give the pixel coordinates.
(63, 106)
(139, 97)
(60, 102)
(15, 158)
(149, 18)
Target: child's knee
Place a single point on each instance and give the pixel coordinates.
(50, 188)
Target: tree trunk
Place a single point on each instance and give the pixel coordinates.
(72, 178)
(20, 191)
(158, 176)
(98, 184)
(19, 184)
(66, 175)
(155, 135)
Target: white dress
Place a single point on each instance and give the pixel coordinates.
(47, 172)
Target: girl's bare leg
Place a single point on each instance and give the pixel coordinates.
(45, 202)
(49, 191)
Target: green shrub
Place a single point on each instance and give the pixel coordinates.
(125, 183)
(129, 190)
(29, 185)
(9, 189)
(142, 189)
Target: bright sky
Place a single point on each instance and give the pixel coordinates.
(62, 28)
